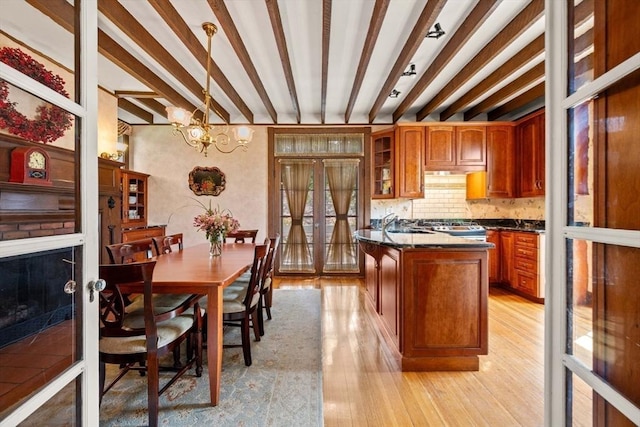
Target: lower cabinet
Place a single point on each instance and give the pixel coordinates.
(521, 263)
(494, 256)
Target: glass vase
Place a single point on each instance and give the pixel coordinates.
(215, 246)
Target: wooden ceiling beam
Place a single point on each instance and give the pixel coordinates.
(167, 12)
(326, 35)
(281, 42)
(531, 76)
(132, 108)
(153, 105)
(425, 21)
(524, 20)
(520, 101)
(377, 17)
(135, 94)
(516, 62)
(127, 23)
(61, 12)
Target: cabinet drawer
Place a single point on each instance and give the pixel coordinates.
(527, 283)
(526, 252)
(526, 265)
(130, 235)
(527, 239)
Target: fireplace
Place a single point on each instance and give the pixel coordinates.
(32, 296)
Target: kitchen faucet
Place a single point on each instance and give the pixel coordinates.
(387, 220)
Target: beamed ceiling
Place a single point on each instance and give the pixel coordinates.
(307, 62)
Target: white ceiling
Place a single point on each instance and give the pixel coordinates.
(302, 24)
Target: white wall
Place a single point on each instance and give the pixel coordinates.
(164, 156)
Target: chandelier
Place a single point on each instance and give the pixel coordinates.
(198, 132)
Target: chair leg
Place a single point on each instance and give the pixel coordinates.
(246, 340)
(268, 299)
(153, 388)
(260, 317)
(102, 375)
(255, 323)
(176, 357)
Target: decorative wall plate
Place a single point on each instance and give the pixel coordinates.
(206, 181)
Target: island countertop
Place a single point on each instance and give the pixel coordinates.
(433, 239)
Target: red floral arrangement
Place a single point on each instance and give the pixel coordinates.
(51, 121)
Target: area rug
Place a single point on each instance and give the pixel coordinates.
(283, 386)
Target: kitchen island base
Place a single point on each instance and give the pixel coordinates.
(430, 302)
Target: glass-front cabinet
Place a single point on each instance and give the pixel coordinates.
(382, 165)
(134, 199)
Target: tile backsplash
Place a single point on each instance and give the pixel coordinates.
(445, 197)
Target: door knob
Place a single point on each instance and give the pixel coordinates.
(96, 286)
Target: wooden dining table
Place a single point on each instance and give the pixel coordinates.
(194, 271)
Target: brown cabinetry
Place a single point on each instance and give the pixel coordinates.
(506, 257)
(383, 167)
(525, 263)
(455, 148)
(494, 256)
(530, 151)
(134, 198)
(131, 234)
(500, 162)
(409, 147)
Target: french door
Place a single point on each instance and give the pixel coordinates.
(49, 343)
(593, 310)
(317, 190)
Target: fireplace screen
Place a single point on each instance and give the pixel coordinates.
(32, 292)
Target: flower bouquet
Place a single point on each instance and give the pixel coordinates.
(216, 223)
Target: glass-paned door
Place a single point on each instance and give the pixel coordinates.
(593, 99)
(48, 238)
(319, 202)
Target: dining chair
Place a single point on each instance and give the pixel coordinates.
(240, 304)
(240, 236)
(166, 244)
(133, 251)
(141, 334)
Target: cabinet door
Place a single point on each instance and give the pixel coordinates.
(507, 258)
(500, 162)
(409, 147)
(531, 157)
(440, 151)
(471, 146)
(383, 169)
(371, 280)
(134, 199)
(389, 292)
(494, 256)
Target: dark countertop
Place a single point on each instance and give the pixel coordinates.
(433, 240)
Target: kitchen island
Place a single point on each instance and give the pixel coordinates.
(428, 294)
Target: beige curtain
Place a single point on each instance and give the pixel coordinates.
(296, 176)
(341, 177)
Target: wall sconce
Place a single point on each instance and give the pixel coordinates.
(437, 33)
(121, 147)
(411, 72)
(394, 93)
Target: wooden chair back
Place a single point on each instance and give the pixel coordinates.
(241, 236)
(166, 244)
(134, 251)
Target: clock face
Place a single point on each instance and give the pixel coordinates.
(36, 160)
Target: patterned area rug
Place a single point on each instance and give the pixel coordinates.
(283, 386)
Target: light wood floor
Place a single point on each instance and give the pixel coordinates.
(361, 387)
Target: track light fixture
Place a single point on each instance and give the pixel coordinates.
(394, 94)
(411, 71)
(436, 33)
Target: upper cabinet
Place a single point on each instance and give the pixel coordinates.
(500, 162)
(409, 149)
(134, 199)
(459, 148)
(383, 167)
(530, 152)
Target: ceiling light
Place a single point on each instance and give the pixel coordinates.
(394, 94)
(199, 133)
(411, 71)
(437, 33)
